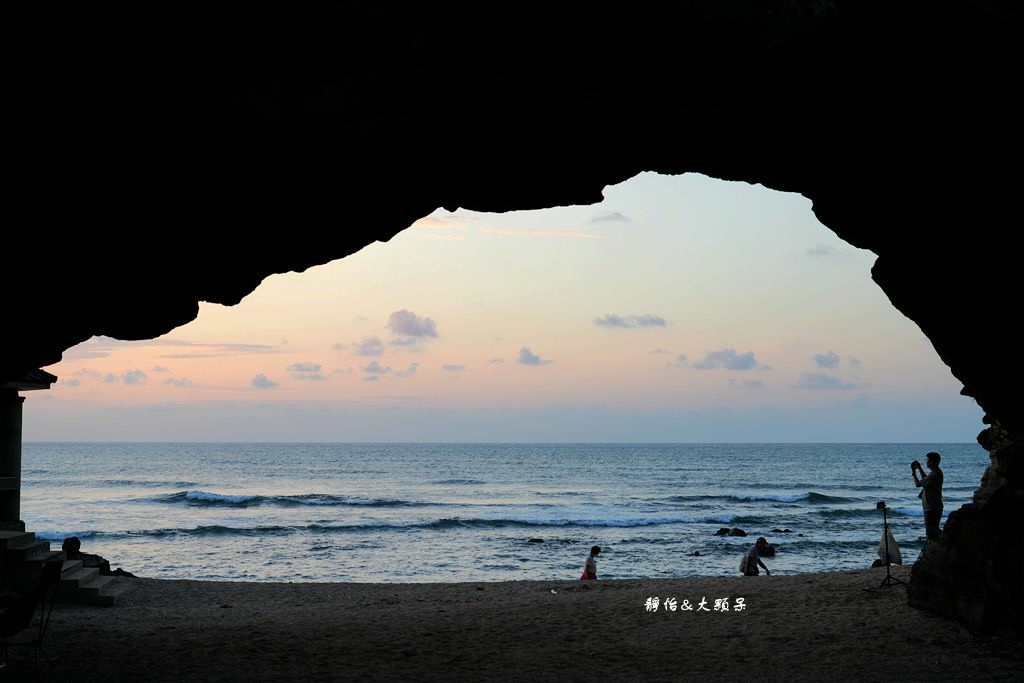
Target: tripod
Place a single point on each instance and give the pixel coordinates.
(889, 578)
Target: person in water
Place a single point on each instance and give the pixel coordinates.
(752, 558)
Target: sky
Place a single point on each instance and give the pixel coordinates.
(679, 309)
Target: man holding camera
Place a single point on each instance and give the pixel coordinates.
(931, 493)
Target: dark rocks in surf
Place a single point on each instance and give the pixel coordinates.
(726, 531)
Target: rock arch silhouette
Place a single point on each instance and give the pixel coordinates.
(220, 142)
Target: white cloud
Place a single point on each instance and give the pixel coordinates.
(411, 342)
(131, 378)
(261, 381)
(375, 368)
(728, 359)
(367, 346)
(613, 320)
(370, 346)
(405, 323)
(304, 367)
(528, 357)
(408, 372)
(826, 360)
(307, 371)
(611, 217)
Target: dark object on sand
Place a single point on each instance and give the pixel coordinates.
(888, 551)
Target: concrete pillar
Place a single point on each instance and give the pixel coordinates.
(10, 460)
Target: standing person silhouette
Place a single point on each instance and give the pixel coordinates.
(931, 493)
(590, 565)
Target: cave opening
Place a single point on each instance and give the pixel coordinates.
(681, 309)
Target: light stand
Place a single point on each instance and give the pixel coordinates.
(889, 578)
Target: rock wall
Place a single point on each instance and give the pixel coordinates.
(973, 572)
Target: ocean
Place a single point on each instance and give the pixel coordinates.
(479, 512)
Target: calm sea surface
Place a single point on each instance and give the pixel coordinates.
(468, 512)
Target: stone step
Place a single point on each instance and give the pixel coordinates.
(25, 552)
(76, 595)
(22, 556)
(86, 586)
(15, 539)
(89, 591)
(99, 583)
(80, 576)
(110, 592)
(38, 559)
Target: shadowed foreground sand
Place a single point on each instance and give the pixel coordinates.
(803, 627)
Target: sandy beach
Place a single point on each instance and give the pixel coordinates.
(803, 627)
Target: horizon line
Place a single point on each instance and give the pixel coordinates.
(516, 443)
